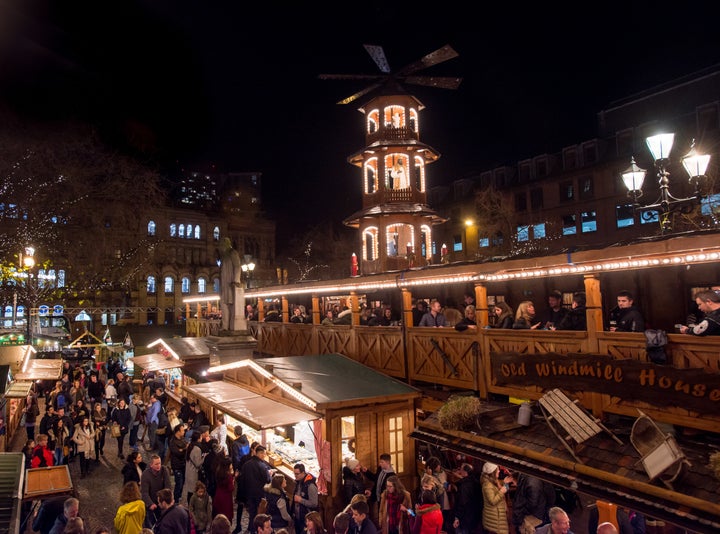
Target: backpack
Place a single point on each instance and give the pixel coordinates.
(163, 422)
(656, 340)
(60, 400)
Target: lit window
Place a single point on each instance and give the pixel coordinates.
(181, 230)
(589, 222)
(202, 285)
(710, 204)
(185, 285)
(169, 283)
(60, 278)
(216, 285)
(624, 215)
(457, 243)
(523, 233)
(151, 284)
(569, 224)
(539, 231)
(197, 231)
(189, 231)
(649, 216)
(483, 242)
(216, 233)
(173, 230)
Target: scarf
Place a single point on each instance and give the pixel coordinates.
(394, 500)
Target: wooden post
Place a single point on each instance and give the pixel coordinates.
(285, 310)
(355, 307)
(593, 311)
(407, 312)
(261, 310)
(482, 316)
(315, 309)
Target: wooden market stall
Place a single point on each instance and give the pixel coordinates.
(168, 365)
(194, 352)
(358, 412)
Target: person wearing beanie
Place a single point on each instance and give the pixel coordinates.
(494, 516)
(353, 480)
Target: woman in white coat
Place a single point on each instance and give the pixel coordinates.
(84, 437)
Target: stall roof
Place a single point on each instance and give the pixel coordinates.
(156, 362)
(18, 390)
(40, 369)
(249, 407)
(187, 348)
(13, 355)
(12, 474)
(322, 379)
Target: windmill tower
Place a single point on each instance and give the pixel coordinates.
(395, 222)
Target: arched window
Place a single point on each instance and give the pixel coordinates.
(189, 233)
(396, 166)
(185, 285)
(173, 230)
(370, 243)
(151, 284)
(169, 284)
(216, 234)
(61, 278)
(202, 285)
(414, 120)
(197, 231)
(371, 181)
(216, 285)
(373, 121)
(397, 237)
(181, 230)
(151, 228)
(425, 241)
(419, 177)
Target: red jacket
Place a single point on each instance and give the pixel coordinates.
(428, 519)
(40, 453)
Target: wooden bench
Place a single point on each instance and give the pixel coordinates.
(567, 415)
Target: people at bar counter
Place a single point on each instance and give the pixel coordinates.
(625, 317)
(468, 322)
(575, 319)
(505, 317)
(708, 303)
(525, 317)
(434, 317)
(555, 312)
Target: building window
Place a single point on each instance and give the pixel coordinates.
(570, 158)
(541, 168)
(523, 233)
(483, 242)
(173, 230)
(498, 239)
(710, 205)
(202, 285)
(539, 231)
(396, 435)
(151, 228)
(536, 198)
(169, 284)
(216, 234)
(185, 285)
(61, 278)
(567, 192)
(197, 231)
(216, 285)
(181, 230)
(649, 216)
(589, 154)
(457, 243)
(189, 231)
(624, 215)
(151, 284)
(569, 223)
(586, 187)
(520, 202)
(589, 222)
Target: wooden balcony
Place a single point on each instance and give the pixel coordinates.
(685, 392)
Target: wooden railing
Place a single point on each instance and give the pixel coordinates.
(464, 360)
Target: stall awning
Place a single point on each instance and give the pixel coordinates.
(186, 348)
(12, 475)
(156, 362)
(18, 390)
(38, 369)
(251, 408)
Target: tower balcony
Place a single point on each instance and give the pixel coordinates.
(390, 135)
(386, 196)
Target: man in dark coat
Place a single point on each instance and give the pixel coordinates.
(49, 511)
(173, 519)
(532, 497)
(625, 317)
(255, 474)
(305, 496)
(468, 501)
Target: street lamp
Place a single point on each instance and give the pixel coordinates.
(695, 165)
(28, 262)
(247, 269)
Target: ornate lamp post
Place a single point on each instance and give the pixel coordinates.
(695, 165)
(27, 259)
(247, 268)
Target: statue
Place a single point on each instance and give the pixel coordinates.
(232, 296)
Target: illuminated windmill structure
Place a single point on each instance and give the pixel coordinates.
(395, 222)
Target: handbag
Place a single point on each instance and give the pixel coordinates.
(115, 430)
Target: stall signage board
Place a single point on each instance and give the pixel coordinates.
(44, 481)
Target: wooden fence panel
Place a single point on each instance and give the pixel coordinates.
(299, 339)
(443, 356)
(382, 348)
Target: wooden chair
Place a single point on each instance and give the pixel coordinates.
(577, 425)
(660, 455)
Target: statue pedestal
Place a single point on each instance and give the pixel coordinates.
(231, 346)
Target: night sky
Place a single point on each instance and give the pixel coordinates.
(219, 83)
